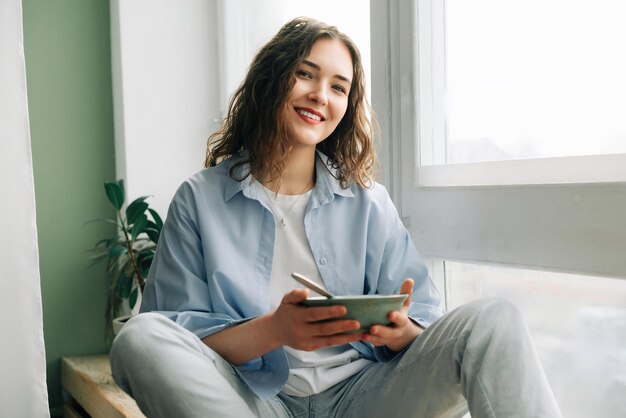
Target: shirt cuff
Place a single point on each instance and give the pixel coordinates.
(206, 331)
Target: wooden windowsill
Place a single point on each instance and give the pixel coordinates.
(88, 381)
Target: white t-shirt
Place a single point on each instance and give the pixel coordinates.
(315, 371)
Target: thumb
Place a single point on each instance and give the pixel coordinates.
(407, 289)
(295, 296)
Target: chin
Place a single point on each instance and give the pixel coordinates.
(306, 142)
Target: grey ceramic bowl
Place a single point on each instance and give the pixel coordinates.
(367, 309)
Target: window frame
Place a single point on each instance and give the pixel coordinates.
(432, 169)
(574, 227)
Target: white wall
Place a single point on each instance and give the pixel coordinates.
(22, 358)
(165, 89)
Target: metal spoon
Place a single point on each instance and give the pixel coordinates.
(311, 285)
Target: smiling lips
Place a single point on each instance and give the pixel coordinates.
(310, 115)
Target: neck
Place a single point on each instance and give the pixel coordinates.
(299, 174)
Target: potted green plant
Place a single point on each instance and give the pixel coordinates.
(129, 253)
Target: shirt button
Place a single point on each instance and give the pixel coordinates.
(323, 260)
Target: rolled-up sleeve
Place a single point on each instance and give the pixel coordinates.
(177, 283)
(179, 287)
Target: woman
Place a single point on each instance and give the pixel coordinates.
(289, 188)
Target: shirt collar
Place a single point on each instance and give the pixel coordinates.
(326, 185)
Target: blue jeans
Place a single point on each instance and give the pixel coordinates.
(478, 357)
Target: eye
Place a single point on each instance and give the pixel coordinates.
(340, 88)
(303, 74)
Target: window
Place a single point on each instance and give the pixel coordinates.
(544, 228)
(522, 80)
(577, 226)
(578, 324)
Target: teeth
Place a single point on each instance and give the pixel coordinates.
(309, 115)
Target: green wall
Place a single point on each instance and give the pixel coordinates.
(68, 67)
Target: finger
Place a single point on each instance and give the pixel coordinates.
(399, 319)
(295, 296)
(377, 339)
(381, 334)
(407, 289)
(334, 327)
(315, 314)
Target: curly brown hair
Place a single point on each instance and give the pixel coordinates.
(256, 113)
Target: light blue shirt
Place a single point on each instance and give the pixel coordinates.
(214, 258)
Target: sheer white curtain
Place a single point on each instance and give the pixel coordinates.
(22, 358)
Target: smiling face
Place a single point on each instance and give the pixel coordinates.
(319, 97)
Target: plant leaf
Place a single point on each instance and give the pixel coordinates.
(144, 260)
(115, 194)
(106, 241)
(115, 240)
(141, 198)
(157, 219)
(153, 234)
(139, 226)
(138, 207)
(117, 250)
(124, 286)
(127, 268)
(111, 221)
(120, 183)
(132, 299)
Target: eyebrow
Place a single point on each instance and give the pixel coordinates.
(317, 67)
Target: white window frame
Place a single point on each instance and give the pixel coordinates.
(576, 227)
(561, 170)
(432, 129)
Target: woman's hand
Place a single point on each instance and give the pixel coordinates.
(402, 330)
(298, 327)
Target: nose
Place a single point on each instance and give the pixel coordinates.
(319, 95)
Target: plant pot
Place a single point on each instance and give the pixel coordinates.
(119, 322)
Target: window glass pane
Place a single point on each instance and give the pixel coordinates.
(533, 79)
(578, 324)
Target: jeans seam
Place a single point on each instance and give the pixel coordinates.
(481, 386)
(283, 406)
